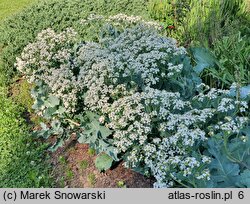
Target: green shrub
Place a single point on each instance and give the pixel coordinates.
(233, 62)
(22, 161)
(9, 126)
(22, 28)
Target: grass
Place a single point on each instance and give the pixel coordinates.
(91, 179)
(23, 162)
(20, 92)
(84, 164)
(121, 184)
(69, 173)
(91, 151)
(9, 7)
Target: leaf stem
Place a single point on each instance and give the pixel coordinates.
(73, 122)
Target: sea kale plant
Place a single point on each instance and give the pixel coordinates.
(134, 95)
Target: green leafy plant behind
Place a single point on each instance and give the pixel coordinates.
(171, 15)
(201, 22)
(210, 20)
(226, 63)
(234, 60)
(171, 12)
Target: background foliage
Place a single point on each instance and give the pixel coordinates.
(8, 7)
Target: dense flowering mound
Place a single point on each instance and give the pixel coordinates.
(141, 97)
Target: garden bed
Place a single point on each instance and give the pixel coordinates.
(74, 167)
(141, 94)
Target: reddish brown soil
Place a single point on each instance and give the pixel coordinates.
(74, 167)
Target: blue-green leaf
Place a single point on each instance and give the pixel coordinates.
(103, 162)
(52, 101)
(223, 172)
(244, 179)
(244, 92)
(203, 58)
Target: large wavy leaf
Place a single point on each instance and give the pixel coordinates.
(224, 173)
(203, 59)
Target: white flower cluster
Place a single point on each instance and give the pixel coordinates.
(225, 105)
(107, 73)
(119, 80)
(231, 125)
(174, 69)
(48, 60)
(143, 53)
(130, 122)
(210, 94)
(63, 85)
(121, 19)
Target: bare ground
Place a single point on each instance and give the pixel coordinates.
(74, 168)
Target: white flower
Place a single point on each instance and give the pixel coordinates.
(102, 119)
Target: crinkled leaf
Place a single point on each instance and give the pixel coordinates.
(61, 110)
(52, 101)
(45, 132)
(49, 112)
(244, 179)
(203, 58)
(37, 104)
(103, 162)
(103, 146)
(56, 127)
(246, 131)
(240, 150)
(87, 137)
(100, 129)
(94, 129)
(244, 92)
(44, 126)
(96, 135)
(223, 172)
